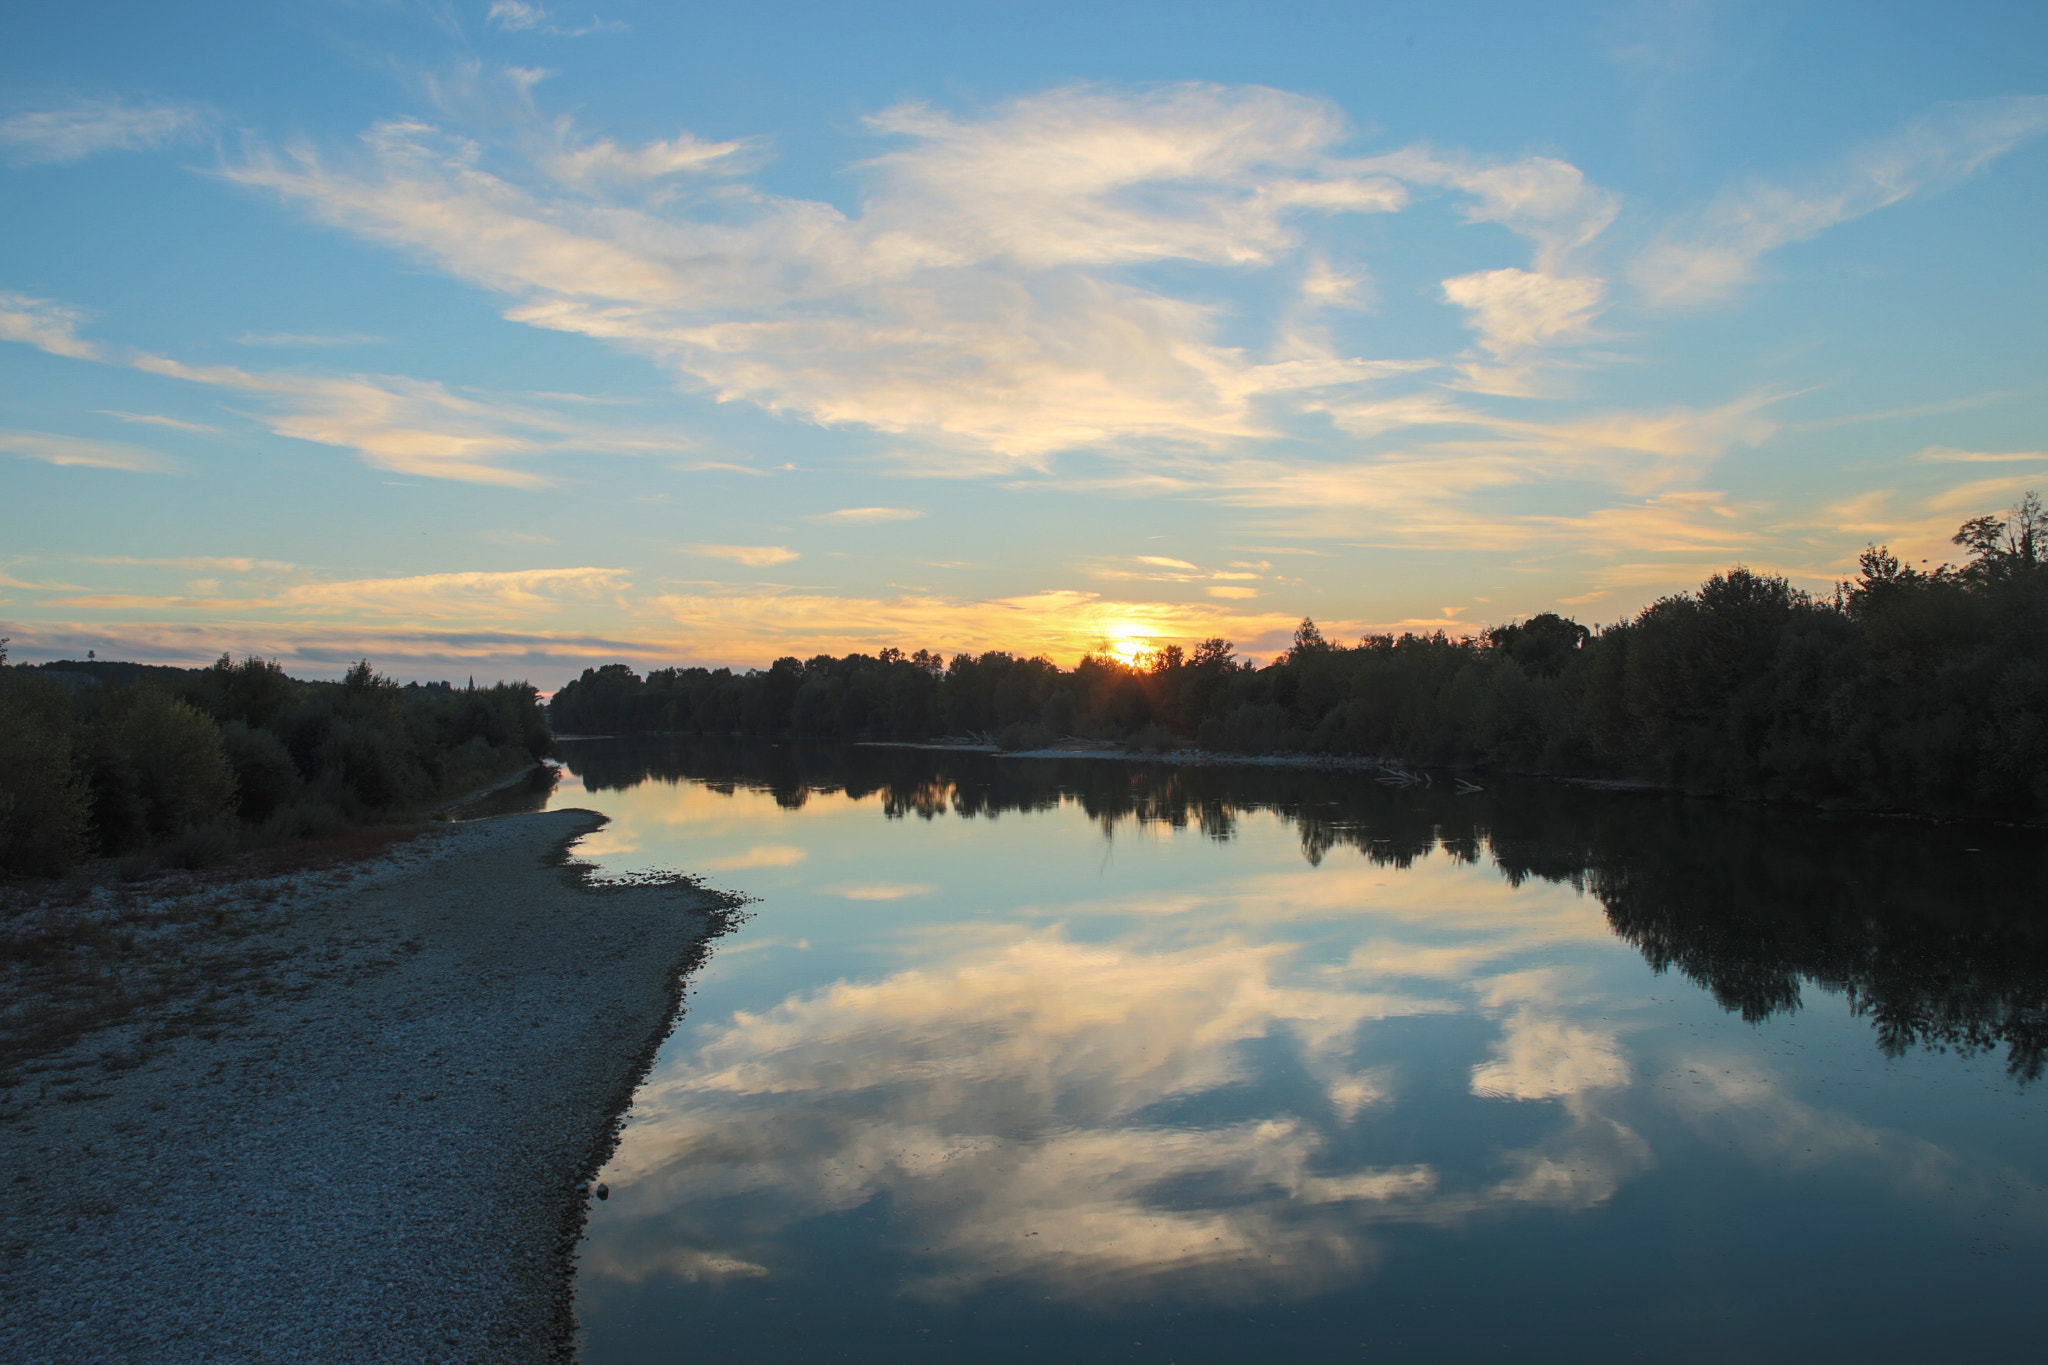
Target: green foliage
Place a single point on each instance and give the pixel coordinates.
(173, 755)
(45, 805)
(265, 776)
(166, 759)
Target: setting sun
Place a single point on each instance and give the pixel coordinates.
(1131, 648)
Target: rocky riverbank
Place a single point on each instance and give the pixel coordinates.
(330, 1115)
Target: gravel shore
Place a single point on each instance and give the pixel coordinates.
(368, 1137)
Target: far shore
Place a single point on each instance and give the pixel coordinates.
(356, 1116)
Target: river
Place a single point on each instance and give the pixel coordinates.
(1082, 1060)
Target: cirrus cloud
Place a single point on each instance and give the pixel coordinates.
(87, 127)
(753, 556)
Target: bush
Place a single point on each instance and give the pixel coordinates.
(1025, 735)
(1254, 728)
(370, 763)
(265, 776)
(45, 804)
(180, 768)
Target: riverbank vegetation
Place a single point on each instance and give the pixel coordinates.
(106, 760)
(1904, 689)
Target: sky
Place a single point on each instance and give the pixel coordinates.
(506, 339)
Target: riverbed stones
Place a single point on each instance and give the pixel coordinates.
(378, 1145)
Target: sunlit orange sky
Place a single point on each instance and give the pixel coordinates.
(503, 339)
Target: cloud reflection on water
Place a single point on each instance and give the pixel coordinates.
(1178, 1039)
(1089, 1117)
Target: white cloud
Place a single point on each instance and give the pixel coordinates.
(86, 127)
(513, 15)
(416, 426)
(884, 891)
(1951, 455)
(753, 556)
(1005, 1097)
(516, 16)
(603, 161)
(978, 300)
(474, 596)
(1517, 310)
(761, 855)
(862, 516)
(156, 420)
(52, 448)
(406, 425)
(1540, 1056)
(45, 325)
(1717, 252)
(516, 594)
(222, 563)
(1547, 201)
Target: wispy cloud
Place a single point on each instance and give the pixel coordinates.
(882, 891)
(45, 325)
(981, 299)
(761, 855)
(988, 303)
(86, 127)
(153, 419)
(479, 596)
(51, 448)
(753, 556)
(1717, 252)
(517, 16)
(863, 516)
(405, 425)
(1950, 455)
(203, 563)
(416, 426)
(992, 305)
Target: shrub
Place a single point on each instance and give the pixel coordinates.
(1024, 734)
(265, 776)
(371, 764)
(181, 771)
(45, 804)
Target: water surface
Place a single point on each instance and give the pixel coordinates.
(1021, 1060)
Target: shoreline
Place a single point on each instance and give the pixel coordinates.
(1390, 772)
(363, 1126)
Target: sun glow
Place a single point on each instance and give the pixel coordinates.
(1129, 649)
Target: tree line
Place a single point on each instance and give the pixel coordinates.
(1904, 689)
(109, 759)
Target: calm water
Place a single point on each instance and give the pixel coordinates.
(1028, 1061)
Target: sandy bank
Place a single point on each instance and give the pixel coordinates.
(367, 1138)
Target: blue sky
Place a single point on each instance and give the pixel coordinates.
(503, 338)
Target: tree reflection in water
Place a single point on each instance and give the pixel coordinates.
(1933, 933)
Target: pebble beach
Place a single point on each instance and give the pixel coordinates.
(371, 1137)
